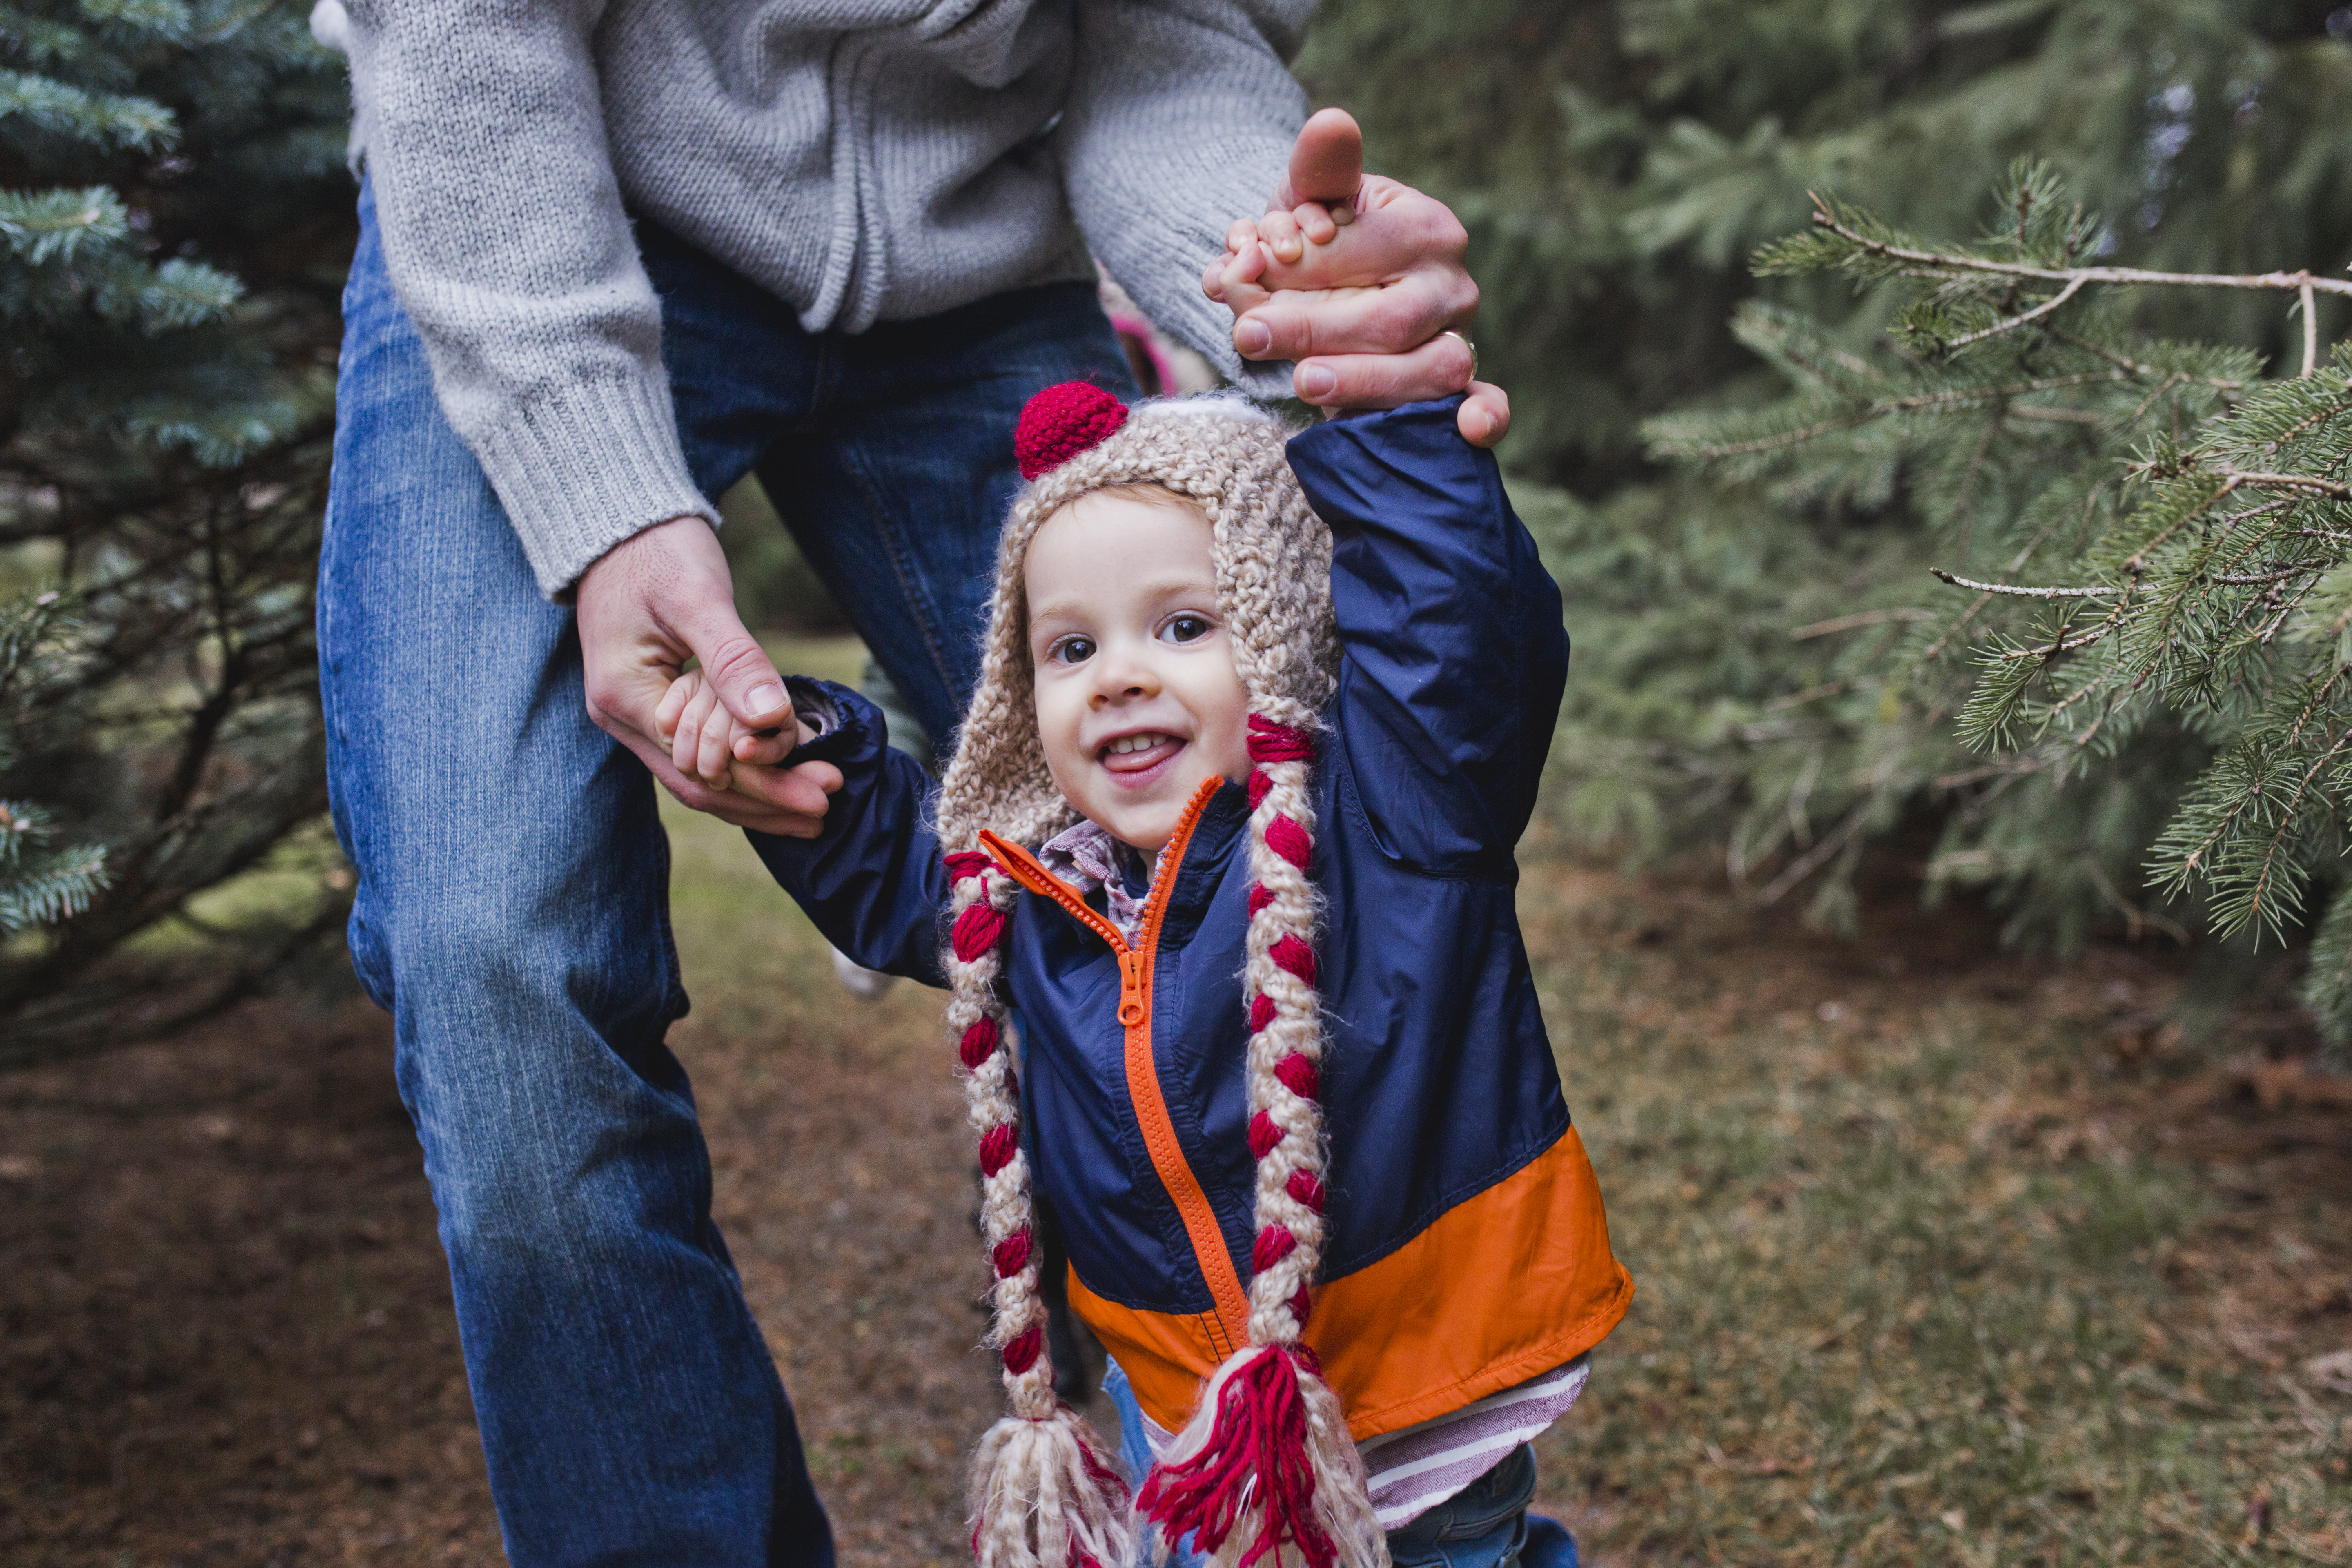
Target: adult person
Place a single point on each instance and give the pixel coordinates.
(613, 255)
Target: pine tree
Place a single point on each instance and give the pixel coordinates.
(1733, 688)
(40, 884)
(173, 214)
(2132, 694)
(1616, 161)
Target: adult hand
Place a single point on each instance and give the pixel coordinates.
(1360, 280)
(655, 601)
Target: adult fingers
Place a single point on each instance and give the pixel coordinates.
(787, 805)
(802, 792)
(1438, 368)
(738, 668)
(1486, 414)
(1327, 161)
(1402, 316)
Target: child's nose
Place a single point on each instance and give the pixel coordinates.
(1119, 678)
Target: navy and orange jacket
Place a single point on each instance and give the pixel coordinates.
(1466, 1249)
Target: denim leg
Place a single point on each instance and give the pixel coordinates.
(512, 915)
(1135, 1448)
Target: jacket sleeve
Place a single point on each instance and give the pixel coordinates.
(1180, 119)
(872, 881)
(482, 127)
(1453, 657)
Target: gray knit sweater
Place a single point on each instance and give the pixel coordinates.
(865, 160)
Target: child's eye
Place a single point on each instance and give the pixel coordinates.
(1072, 650)
(1185, 628)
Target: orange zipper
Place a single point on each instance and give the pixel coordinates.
(1142, 1074)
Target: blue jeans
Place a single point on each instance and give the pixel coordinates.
(1485, 1525)
(512, 905)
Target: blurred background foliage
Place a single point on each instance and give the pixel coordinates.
(1618, 166)
(174, 221)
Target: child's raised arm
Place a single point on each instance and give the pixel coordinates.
(1453, 655)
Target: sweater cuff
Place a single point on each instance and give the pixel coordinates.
(586, 467)
(1200, 190)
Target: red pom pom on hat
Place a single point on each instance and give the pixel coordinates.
(1063, 421)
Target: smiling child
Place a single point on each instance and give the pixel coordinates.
(1230, 826)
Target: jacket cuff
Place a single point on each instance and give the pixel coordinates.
(585, 466)
(850, 730)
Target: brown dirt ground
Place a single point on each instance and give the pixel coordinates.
(225, 1328)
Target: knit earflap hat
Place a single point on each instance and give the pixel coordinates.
(1265, 1469)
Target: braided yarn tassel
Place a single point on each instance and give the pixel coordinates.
(1265, 1470)
(1043, 1491)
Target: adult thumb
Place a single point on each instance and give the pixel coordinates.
(1327, 162)
(739, 669)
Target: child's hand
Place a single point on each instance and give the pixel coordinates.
(706, 741)
(1359, 280)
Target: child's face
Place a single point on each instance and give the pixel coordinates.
(1138, 699)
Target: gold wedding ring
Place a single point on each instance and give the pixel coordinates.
(1465, 343)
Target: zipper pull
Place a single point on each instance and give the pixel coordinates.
(1130, 987)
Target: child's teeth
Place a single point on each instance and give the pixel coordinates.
(1135, 743)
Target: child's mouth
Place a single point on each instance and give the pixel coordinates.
(1139, 759)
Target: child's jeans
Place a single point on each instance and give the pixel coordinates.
(1485, 1525)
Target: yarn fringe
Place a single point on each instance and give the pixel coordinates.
(1266, 1472)
(1045, 1494)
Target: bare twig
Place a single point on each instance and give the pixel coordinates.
(1814, 858)
(2135, 919)
(2122, 276)
(2257, 579)
(2035, 314)
(2310, 330)
(2262, 481)
(2022, 592)
(2052, 415)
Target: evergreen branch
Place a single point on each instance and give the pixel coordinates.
(1919, 401)
(2013, 322)
(1854, 622)
(2286, 817)
(2060, 645)
(2258, 579)
(2290, 607)
(2125, 362)
(2020, 592)
(2309, 482)
(2122, 276)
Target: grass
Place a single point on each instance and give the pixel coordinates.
(1919, 1281)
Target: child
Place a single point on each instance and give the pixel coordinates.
(1230, 826)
